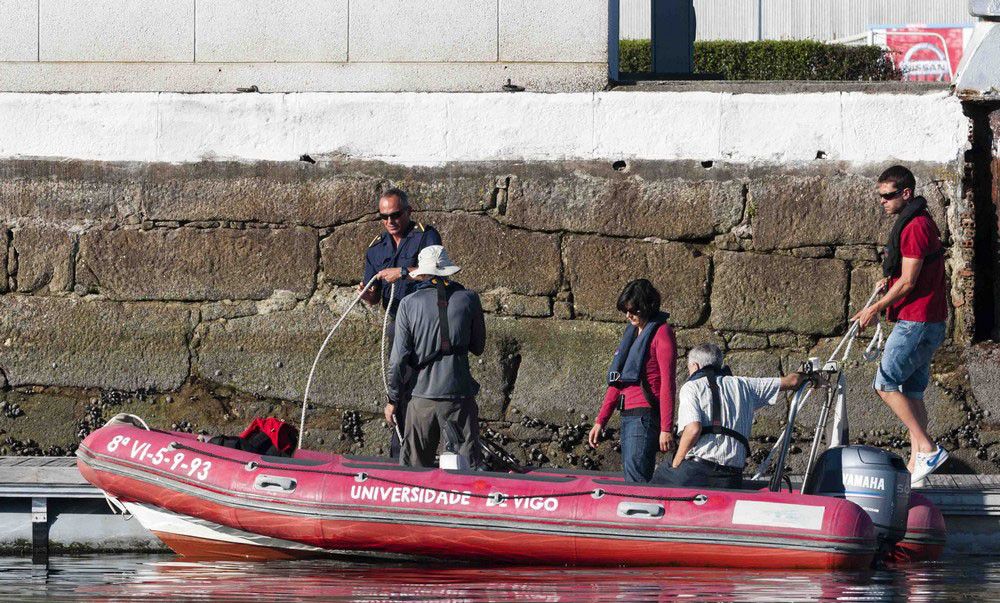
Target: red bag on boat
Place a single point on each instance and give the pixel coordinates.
(282, 435)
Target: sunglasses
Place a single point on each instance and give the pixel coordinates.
(393, 216)
(892, 195)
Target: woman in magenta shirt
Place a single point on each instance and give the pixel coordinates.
(641, 382)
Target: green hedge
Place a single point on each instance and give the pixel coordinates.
(635, 56)
(773, 60)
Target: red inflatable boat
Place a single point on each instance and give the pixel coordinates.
(207, 500)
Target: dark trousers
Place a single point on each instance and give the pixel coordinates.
(394, 444)
(640, 441)
(426, 422)
(699, 474)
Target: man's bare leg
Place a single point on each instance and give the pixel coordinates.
(920, 411)
(913, 414)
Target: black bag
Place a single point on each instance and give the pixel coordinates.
(256, 443)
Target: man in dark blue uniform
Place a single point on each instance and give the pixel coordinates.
(391, 256)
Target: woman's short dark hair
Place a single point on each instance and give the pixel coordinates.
(641, 298)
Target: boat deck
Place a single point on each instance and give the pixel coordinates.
(45, 499)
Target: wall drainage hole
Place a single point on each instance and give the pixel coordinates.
(707, 164)
(820, 154)
(619, 166)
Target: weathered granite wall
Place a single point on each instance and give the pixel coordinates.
(197, 294)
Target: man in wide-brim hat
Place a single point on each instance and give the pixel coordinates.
(436, 327)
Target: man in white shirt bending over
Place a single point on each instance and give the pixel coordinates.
(714, 415)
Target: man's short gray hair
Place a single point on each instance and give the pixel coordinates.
(404, 199)
(705, 355)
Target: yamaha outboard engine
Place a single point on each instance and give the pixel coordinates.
(872, 478)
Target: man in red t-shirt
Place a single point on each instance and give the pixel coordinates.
(913, 267)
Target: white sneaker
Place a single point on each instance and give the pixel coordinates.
(926, 463)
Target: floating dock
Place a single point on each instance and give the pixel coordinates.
(47, 507)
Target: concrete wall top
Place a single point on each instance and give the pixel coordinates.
(307, 45)
(438, 128)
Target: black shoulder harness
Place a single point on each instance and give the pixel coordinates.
(445, 347)
(715, 416)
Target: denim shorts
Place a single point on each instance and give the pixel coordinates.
(906, 361)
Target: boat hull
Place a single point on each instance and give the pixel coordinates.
(330, 503)
(925, 536)
(198, 538)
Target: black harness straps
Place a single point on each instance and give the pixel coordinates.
(444, 328)
(445, 347)
(715, 416)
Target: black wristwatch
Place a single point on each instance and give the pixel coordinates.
(404, 272)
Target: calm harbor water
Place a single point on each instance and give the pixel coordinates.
(168, 578)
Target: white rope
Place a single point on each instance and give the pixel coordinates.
(848, 339)
(385, 380)
(117, 508)
(124, 417)
(872, 351)
(385, 328)
(840, 420)
(305, 397)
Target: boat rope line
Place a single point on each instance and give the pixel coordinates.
(305, 397)
(385, 328)
(495, 497)
(385, 380)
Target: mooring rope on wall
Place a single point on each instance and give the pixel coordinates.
(305, 397)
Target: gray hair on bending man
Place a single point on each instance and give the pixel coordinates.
(705, 355)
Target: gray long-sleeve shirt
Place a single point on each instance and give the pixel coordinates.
(417, 339)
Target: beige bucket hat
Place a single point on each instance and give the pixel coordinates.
(433, 260)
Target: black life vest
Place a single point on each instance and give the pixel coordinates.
(715, 416)
(619, 361)
(892, 260)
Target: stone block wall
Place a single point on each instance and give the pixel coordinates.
(197, 294)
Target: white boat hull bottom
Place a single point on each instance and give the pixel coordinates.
(198, 538)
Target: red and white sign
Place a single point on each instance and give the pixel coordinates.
(925, 53)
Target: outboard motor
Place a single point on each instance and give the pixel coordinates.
(874, 479)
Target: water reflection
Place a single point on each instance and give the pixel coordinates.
(166, 578)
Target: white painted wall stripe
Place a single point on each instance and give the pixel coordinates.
(435, 128)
